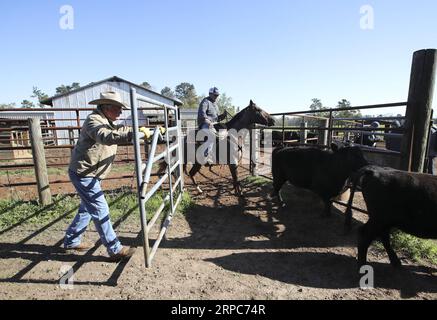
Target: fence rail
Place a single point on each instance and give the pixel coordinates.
(143, 177)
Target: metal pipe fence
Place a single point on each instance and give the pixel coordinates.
(173, 162)
(336, 129)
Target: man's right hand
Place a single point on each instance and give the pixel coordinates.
(146, 131)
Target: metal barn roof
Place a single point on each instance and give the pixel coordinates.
(49, 101)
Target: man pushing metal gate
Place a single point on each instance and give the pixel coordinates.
(172, 155)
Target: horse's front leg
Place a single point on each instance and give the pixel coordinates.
(234, 172)
(194, 170)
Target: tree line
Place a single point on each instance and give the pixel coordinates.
(185, 92)
(317, 105)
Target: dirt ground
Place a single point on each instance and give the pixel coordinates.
(222, 248)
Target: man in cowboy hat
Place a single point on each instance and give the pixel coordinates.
(90, 162)
(207, 116)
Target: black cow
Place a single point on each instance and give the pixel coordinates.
(395, 199)
(324, 172)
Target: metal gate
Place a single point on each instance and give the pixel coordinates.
(172, 156)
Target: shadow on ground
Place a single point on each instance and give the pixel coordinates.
(327, 271)
(38, 253)
(256, 222)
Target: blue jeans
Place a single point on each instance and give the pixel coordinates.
(210, 143)
(93, 206)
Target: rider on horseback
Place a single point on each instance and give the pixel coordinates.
(207, 116)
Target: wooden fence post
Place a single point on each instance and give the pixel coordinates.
(419, 110)
(255, 150)
(39, 161)
(303, 132)
(323, 134)
(251, 150)
(330, 123)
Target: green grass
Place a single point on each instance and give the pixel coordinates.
(14, 212)
(257, 181)
(125, 168)
(186, 203)
(31, 172)
(416, 249)
(121, 203)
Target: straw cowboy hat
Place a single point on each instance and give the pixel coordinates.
(110, 97)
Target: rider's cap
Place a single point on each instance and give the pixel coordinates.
(214, 91)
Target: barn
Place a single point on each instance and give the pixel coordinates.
(81, 97)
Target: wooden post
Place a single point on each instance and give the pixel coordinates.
(419, 109)
(39, 161)
(303, 132)
(323, 134)
(283, 129)
(330, 123)
(255, 145)
(251, 151)
(71, 137)
(78, 120)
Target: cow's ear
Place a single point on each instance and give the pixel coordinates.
(334, 147)
(251, 103)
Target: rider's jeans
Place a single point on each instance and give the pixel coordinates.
(209, 144)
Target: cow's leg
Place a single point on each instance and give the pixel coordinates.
(234, 172)
(394, 260)
(366, 235)
(348, 213)
(194, 170)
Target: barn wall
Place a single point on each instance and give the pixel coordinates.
(82, 98)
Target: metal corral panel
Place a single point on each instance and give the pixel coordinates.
(81, 99)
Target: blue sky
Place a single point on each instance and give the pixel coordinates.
(279, 53)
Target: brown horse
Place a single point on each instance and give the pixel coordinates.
(245, 119)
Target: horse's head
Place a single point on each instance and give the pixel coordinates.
(257, 115)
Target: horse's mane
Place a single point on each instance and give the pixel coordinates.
(236, 118)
